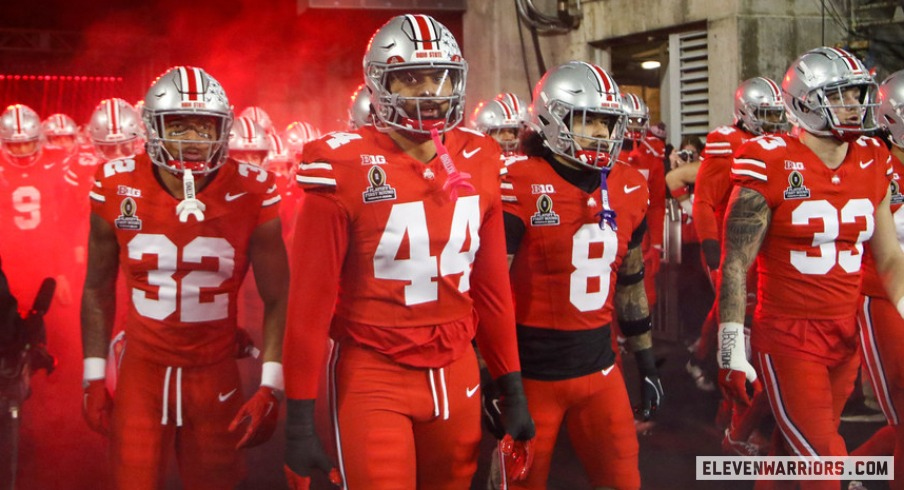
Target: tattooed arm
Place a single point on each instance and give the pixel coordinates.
(633, 313)
(745, 226)
(746, 222)
(631, 299)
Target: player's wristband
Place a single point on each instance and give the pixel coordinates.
(272, 375)
(95, 368)
(901, 306)
(681, 191)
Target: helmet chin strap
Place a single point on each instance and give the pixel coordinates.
(190, 205)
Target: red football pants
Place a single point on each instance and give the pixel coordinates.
(597, 413)
(806, 398)
(203, 399)
(400, 427)
(882, 348)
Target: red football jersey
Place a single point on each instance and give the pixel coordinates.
(563, 274)
(810, 260)
(183, 277)
(646, 157)
(403, 253)
(34, 229)
(713, 185)
(872, 285)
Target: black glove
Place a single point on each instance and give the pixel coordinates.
(712, 253)
(513, 407)
(651, 393)
(492, 410)
(304, 453)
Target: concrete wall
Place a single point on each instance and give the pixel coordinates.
(746, 38)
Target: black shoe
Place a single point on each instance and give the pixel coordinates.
(858, 411)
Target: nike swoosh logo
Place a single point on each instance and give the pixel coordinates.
(608, 370)
(866, 164)
(470, 391)
(629, 190)
(271, 189)
(225, 397)
(469, 154)
(232, 197)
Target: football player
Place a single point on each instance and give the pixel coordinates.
(183, 222)
(804, 207)
(503, 118)
(401, 261)
(881, 326)
(359, 113)
(645, 153)
(248, 142)
(574, 226)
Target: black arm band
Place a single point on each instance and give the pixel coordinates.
(635, 327)
(629, 279)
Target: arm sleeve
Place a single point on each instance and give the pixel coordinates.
(712, 186)
(656, 211)
(492, 295)
(514, 231)
(319, 248)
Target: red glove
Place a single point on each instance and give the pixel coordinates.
(734, 368)
(515, 458)
(262, 413)
(652, 260)
(97, 405)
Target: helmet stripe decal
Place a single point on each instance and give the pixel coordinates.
(603, 80)
(635, 102)
(852, 64)
(249, 129)
(191, 83)
(775, 90)
(276, 144)
(112, 110)
(423, 31)
(505, 109)
(17, 110)
(512, 102)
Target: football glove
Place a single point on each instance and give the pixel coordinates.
(651, 392)
(97, 406)
(262, 414)
(304, 453)
(734, 368)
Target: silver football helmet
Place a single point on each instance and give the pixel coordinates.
(891, 107)
(759, 107)
(359, 114)
(115, 129)
(403, 48)
(503, 118)
(186, 91)
(638, 117)
(60, 131)
(259, 116)
(813, 91)
(248, 142)
(579, 92)
(21, 136)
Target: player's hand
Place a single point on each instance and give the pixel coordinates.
(97, 406)
(304, 453)
(513, 407)
(651, 392)
(244, 345)
(516, 458)
(652, 260)
(262, 413)
(712, 253)
(734, 368)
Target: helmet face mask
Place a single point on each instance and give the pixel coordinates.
(21, 136)
(416, 76)
(572, 103)
(189, 95)
(828, 92)
(60, 131)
